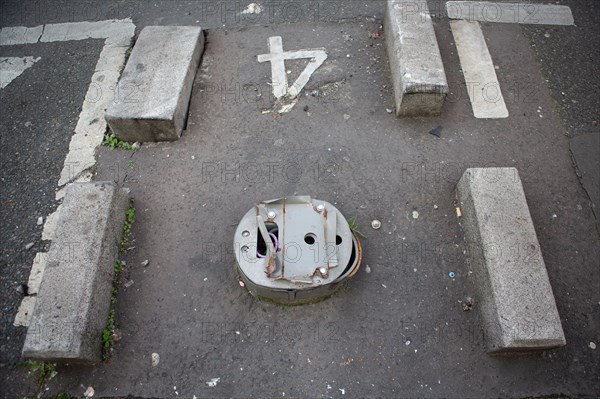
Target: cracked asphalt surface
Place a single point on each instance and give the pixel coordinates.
(569, 62)
(196, 348)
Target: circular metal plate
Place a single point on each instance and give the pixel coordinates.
(313, 249)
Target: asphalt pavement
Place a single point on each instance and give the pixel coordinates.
(568, 63)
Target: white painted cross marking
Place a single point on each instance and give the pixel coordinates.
(279, 81)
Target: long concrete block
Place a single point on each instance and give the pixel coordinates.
(74, 298)
(418, 76)
(515, 297)
(153, 94)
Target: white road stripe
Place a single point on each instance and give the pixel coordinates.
(518, 13)
(50, 225)
(37, 272)
(13, 35)
(115, 31)
(12, 67)
(478, 70)
(91, 125)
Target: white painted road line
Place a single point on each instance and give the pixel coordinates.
(116, 31)
(517, 13)
(12, 67)
(37, 271)
(14, 35)
(50, 224)
(91, 126)
(478, 69)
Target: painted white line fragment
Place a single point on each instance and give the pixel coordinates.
(518, 13)
(84, 177)
(13, 35)
(478, 69)
(279, 80)
(12, 67)
(115, 31)
(37, 271)
(91, 125)
(50, 225)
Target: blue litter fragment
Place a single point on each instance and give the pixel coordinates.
(451, 274)
(436, 131)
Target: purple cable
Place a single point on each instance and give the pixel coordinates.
(274, 237)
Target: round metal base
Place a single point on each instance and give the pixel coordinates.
(305, 296)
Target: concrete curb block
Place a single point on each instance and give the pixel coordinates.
(418, 76)
(515, 297)
(73, 302)
(153, 94)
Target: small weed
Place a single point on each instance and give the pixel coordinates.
(113, 142)
(129, 219)
(42, 370)
(118, 267)
(354, 227)
(107, 333)
(111, 324)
